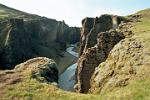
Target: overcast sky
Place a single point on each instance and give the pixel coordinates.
(73, 11)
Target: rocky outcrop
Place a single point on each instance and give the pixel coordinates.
(127, 63)
(41, 68)
(123, 63)
(92, 26)
(90, 59)
(95, 48)
(23, 38)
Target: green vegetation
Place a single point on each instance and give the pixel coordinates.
(138, 89)
(31, 88)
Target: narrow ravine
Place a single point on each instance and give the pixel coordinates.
(67, 78)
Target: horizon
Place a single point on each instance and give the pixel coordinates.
(72, 12)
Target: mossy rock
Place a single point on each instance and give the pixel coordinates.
(41, 68)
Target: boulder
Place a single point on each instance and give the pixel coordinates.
(41, 68)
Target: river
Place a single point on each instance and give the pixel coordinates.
(67, 78)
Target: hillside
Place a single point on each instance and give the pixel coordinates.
(7, 12)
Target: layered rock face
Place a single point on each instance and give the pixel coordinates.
(95, 47)
(72, 35)
(92, 26)
(93, 56)
(16, 43)
(24, 39)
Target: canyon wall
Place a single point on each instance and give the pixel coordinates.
(96, 43)
(92, 26)
(22, 39)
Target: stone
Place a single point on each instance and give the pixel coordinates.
(41, 68)
(96, 44)
(92, 26)
(115, 72)
(90, 59)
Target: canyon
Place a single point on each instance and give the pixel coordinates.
(106, 59)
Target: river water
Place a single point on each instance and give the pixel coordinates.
(67, 78)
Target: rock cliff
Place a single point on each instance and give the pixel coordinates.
(92, 26)
(91, 58)
(24, 36)
(96, 43)
(113, 56)
(128, 61)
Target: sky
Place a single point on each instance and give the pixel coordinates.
(73, 11)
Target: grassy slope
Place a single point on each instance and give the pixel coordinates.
(139, 87)
(27, 88)
(137, 90)
(8, 12)
(41, 91)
